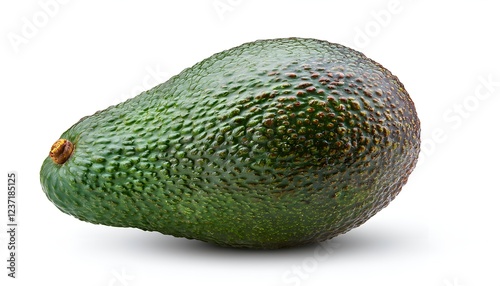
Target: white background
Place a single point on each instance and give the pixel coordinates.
(63, 60)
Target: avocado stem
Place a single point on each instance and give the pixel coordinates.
(61, 150)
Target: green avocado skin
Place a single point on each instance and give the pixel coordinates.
(274, 143)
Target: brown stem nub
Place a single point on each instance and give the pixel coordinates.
(61, 151)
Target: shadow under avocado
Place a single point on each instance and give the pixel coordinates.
(366, 240)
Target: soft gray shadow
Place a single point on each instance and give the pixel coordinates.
(182, 246)
(358, 241)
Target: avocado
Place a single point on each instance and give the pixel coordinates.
(274, 143)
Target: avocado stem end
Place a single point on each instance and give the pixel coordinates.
(61, 150)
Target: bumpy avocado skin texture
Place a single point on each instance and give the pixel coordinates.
(274, 143)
